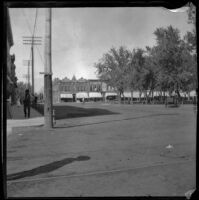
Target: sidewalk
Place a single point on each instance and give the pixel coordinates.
(18, 112)
(28, 122)
(18, 120)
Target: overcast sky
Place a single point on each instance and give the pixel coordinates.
(80, 36)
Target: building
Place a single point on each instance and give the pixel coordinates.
(77, 90)
(11, 76)
(11, 79)
(9, 45)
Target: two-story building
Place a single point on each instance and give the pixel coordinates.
(75, 90)
(9, 62)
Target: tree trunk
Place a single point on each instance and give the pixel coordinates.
(132, 96)
(146, 97)
(164, 96)
(152, 97)
(140, 96)
(179, 96)
(149, 95)
(119, 97)
(188, 96)
(161, 96)
(122, 94)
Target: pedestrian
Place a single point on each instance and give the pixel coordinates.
(35, 100)
(18, 102)
(26, 103)
(166, 101)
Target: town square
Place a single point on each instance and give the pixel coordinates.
(101, 101)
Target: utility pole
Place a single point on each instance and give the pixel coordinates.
(27, 63)
(33, 82)
(29, 76)
(48, 110)
(32, 40)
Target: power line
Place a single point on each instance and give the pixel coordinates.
(35, 22)
(35, 28)
(29, 28)
(28, 24)
(32, 40)
(40, 54)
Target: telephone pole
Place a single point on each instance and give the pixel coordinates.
(27, 63)
(32, 40)
(48, 110)
(33, 72)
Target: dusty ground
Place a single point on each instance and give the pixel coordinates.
(120, 154)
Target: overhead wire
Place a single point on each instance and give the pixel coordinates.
(35, 22)
(33, 32)
(28, 24)
(29, 28)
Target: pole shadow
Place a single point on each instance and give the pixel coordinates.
(45, 168)
(65, 111)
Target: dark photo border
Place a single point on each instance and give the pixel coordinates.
(170, 4)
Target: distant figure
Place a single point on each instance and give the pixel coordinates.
(35, 100)
(26, 103)
(18, 102)
(83, 100)
(166, 102)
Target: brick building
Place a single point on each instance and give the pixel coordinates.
(11, 79)
(78, 89)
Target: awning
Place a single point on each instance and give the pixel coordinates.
(126, 94)
(183, 94)
(136, 94)
(95, 95)
(156, 93)
(70, 96)
(193, 93)
(110, 94)
(82, 95)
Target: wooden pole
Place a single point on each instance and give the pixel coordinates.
(32, 69)
(29, 75)
(48, 111)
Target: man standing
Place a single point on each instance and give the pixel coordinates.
(26, 103)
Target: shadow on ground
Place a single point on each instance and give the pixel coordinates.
(114, 120)
(45, 168)
(64, 111)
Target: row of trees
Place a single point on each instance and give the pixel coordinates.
(170, 65)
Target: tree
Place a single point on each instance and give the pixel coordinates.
(168, 56)
(190, 41)
(191, 14)
(112, 68)
(13, 80)
(176, 62)
(151, 72)
(142, 74)
(136, 71)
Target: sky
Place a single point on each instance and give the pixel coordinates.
(80, 36)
